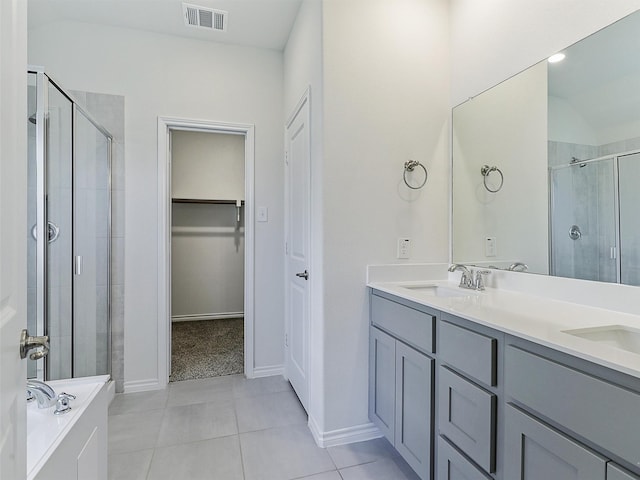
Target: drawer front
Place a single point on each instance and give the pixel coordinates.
(467, 417)
(410, 325)
(469, 352)
(452, 465)
(616, 473)
(535, 451)
(602, 412)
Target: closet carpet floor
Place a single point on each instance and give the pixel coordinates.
(206, 348)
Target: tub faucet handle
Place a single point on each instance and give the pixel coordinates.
(62, 406)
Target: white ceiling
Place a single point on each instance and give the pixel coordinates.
(600, 76)
(255, 23)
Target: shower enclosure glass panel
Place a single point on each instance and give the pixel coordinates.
(629, 173)
(69, 234)
(58, 275)
(91, 247)
(583, 221)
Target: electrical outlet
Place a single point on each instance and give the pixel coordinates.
(404, 247)
(490, 247)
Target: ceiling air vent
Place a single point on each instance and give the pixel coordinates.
(202, 17)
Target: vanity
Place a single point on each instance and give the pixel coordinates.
(500, 384)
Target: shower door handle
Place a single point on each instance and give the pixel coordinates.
(77, 265)
(27, 342)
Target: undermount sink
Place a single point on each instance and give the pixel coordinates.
(618, 336)
(439, 290)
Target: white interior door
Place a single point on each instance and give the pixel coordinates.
(298, 276)
(13, 244)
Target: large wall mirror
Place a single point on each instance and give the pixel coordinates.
(546, 165)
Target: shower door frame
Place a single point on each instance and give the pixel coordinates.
(43, 81)
(616, 194)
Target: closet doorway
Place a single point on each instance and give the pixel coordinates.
(208, 274)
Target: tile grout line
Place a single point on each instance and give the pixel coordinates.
(235, 414)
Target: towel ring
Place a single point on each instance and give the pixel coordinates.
(409, 166)
(486, 170)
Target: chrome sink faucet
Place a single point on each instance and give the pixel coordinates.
(45, 395)
(470, 279)
(467, 277)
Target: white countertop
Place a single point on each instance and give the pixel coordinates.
(535, 318)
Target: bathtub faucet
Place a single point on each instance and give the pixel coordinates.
(45, 395)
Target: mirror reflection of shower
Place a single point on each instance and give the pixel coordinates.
(595, 227)
(68, 238)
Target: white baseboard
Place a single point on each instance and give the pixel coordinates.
(142, 385)
(206, 316)
(269, 371)
(343, 436)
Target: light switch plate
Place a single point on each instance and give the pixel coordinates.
(262, 214)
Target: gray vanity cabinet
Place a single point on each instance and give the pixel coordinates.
(535, 451)
(401, 377)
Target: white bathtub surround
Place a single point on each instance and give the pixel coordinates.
(72, 445)
(536, 308)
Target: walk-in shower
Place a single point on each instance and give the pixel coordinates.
(68, 237)
(595, 232)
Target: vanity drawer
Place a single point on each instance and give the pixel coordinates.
(412, 326)
(601, 412)
(470, 352)
(452, 465)
(467, 417)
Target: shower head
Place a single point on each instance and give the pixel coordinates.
(32, 118)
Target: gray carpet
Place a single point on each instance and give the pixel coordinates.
(207, 348)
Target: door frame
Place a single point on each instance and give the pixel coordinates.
(165, 126)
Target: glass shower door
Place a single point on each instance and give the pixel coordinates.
(92, 339)
(583, 221)
(629, 172)
(58, 205)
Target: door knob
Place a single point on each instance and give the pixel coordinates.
(27, 342)
(304, 275)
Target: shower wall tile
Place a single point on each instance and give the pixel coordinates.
(117, 221)
(117, 166)
(117, 260)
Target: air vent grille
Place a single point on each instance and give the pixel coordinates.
(202, 17)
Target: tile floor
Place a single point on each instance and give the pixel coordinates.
(229, 428)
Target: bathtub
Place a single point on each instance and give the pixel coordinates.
(72, 445)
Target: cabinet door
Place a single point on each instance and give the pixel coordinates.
(614, 472)
(535, 451)
(414, 386)
(382, 382)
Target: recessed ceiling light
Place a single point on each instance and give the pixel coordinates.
(558, 57)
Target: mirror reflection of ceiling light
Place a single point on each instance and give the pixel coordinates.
(558, 57)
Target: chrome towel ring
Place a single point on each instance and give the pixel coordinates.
(409, 166)
(486, 170)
